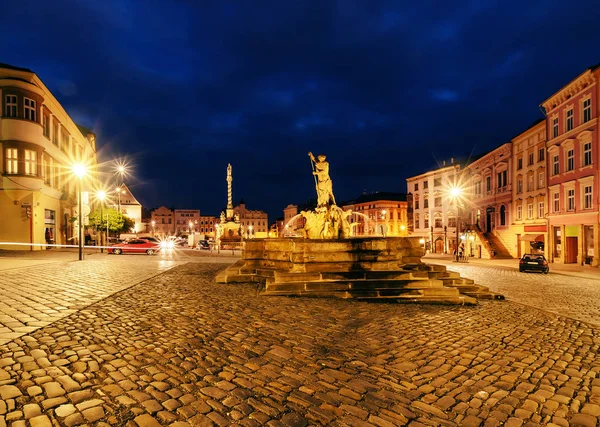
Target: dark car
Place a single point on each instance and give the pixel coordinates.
(135, 246)
(534, 262)
(203, 245)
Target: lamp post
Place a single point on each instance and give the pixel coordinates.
(79, 171)
(101, 195)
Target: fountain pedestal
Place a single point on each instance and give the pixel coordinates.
(361, 268)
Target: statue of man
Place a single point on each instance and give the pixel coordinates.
(324, 184)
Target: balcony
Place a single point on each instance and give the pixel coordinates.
(21, 130)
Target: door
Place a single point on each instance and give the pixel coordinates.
(488, 222)
(439, 246)
(571, 250)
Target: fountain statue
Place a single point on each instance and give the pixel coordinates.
(327, 262)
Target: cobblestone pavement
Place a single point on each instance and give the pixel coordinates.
(37, 289)
(180, 350)
(571, 296)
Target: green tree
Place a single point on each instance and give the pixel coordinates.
(116, 220)
(128, 224)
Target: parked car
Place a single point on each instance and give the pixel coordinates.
(135, 246)
(534, 262)
(203, 245)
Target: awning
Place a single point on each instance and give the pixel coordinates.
(532, 238)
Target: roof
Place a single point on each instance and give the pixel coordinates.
(12, 67)
(384, 195)
(84, 131)
(590, 68)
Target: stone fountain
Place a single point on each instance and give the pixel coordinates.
(328, 263)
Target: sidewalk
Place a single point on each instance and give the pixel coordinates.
(565, 269)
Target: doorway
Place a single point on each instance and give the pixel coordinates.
(571, 250)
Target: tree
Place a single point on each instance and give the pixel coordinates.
(116, 220)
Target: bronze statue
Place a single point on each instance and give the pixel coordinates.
(323, 181)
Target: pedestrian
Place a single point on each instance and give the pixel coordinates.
(48, 236)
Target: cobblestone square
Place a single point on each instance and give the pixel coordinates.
(177, 349)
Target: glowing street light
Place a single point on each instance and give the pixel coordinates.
(153, 225)
(80, 170)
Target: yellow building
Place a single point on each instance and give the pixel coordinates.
(379, 214)
(254, 223)
(39, 143)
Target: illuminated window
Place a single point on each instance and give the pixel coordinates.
(555, 127)
(29, 105)
(587, 197)
(587, 110)
(10, 107)
(12, 161)
(30, 162)
(426, 221)
(569, 119)
(587, 154)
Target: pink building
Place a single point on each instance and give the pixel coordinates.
(572, 166)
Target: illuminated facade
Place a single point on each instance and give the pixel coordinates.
(435, 210)
(39, 144)
(379, 214)
(206, 226)
(529, 210)
(162, 221)
(186, 220)
(573, 173)
(130, 207)
(254, 223)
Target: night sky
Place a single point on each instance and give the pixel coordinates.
(385, 90)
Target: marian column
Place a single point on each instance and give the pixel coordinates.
(229, 193)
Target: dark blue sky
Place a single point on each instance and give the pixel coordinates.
(384, 89)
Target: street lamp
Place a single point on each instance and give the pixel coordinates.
(101, 195)
(153, 224)
(79, 170)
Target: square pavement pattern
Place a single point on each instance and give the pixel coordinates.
(176, 350)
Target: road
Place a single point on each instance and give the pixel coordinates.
(150, 341)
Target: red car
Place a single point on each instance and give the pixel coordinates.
(136, 246)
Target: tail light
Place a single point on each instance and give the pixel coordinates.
(521, 261)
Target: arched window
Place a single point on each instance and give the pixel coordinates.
(502, 215)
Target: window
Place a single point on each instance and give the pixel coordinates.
(29, 109)
(530, 183)
(46, 125)
(10, 109)
(587, 154)
(519, 185)
(587, 197)
(425, 185)
(541, 154)
(502, 179)
(426, 221)
(437, 202)
(502, 215)
(417, 223)
(529, 210)
(555, 127)
(478, 187)
(437, 182)
(519, 212)
(541, 180)
(438, 222)
(570, 160)
(530, 162)
(556, 202)
(425, 202)
(555, 169)
(55, 132)
(12, 161)
(488, 183)
(540, 209)
(571, 200)
(416, 203)
(30, 162)
(520, 163)
(587, 110)
(569, 119)
(417, 186)
(452, 221)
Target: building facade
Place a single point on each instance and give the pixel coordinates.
(40, 144)
(162, 222)
(572, 165)
(529, 210)
(206, 226)
(130, 207)
(254, 223)
(379, 214)
(186, 221)
(435, 207)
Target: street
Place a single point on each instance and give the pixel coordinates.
(145, 341)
